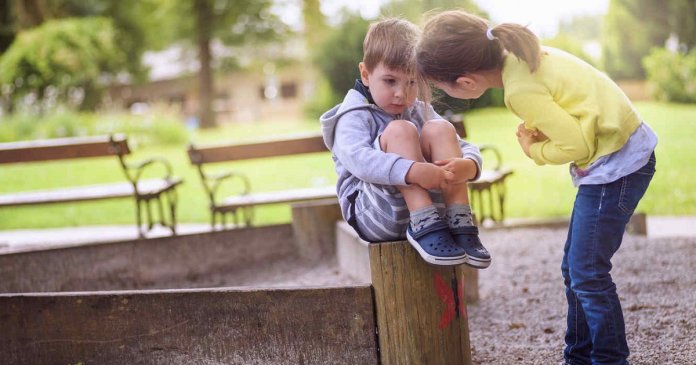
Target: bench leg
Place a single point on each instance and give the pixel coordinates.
(138, 218)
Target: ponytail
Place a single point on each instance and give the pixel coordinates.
(521, 42)
(455, 43)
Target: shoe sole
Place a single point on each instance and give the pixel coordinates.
(477, 263)
(442, 261)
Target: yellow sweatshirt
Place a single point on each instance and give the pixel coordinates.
(583, 113)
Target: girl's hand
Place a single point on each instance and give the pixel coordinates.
(462, 169)
(428, 176)
(527, 137)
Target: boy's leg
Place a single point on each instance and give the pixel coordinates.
(401, 137)
(601, 213)
(427, 232)
(439, 142)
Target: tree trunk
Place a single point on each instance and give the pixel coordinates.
(204, 26)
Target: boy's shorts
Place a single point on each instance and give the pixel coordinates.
(380, 212)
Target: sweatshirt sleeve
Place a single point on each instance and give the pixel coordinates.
(353, 147)
(565, 141)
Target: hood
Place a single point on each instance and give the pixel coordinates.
(353, 100)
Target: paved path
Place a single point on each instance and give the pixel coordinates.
(658, 226)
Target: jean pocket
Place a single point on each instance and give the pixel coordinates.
(649, 167)
(633, 188)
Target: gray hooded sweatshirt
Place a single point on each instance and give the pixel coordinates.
(349, 130)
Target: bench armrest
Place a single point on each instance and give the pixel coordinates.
(212, 183)
(494, 150)
(135, 171)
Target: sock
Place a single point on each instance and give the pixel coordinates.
(424, 217)
(459, 215)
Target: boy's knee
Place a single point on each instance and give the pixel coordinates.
(438, 128)
(400, 129)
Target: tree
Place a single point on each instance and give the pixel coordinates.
(414, 10)
(60, 59)
(338, 56)
(234, 23)
(633, 27)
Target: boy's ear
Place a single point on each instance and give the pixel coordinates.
(364, 74)
(467, 82)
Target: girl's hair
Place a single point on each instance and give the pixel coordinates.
(391, 41)
(455, 43)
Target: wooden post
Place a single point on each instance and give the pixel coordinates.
(421, 311)
(638, 224)
(314, 227)
(471, 283)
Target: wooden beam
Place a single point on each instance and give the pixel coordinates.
(204, 326)
(62, 149)
(270, 148)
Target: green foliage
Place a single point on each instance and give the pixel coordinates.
(340, 53)
(324, 100)
(672, 75)
(151, 129)
(628, 38)
(60, 57)
(633, 27)
(415, 10)
(571, 45)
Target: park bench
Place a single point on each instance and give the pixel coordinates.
(240, 207)
(143, 191)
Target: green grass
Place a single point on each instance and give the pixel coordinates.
(533, 191)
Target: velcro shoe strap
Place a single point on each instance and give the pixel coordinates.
(437, 226)
(467, 230)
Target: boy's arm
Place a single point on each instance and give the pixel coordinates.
(353, 147)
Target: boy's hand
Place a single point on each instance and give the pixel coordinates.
(462, 169)
(428, 176)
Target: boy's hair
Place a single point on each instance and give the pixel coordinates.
(391, 41)
(455, 43)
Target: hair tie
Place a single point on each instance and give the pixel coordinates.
(489, 34)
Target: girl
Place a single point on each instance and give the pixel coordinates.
(571, 113)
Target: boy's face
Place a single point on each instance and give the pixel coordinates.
(392, 90)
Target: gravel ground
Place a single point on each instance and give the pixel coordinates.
(520, 318)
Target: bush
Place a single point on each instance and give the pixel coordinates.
(671, 76)
(150, 129)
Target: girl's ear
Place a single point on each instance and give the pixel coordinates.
(467, 82)
(364, 74)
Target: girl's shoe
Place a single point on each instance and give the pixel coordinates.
(467, 238)
(435, 244)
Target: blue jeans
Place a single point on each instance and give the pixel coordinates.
(595, 332)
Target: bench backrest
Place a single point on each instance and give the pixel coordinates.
(270, 148)
(63, 148)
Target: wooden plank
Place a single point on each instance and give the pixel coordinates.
(277, 197)
(421, 313)
(86, 193)
(271, 148)
(239, 257)
(489, 177)
(61, 149)
(223, 326)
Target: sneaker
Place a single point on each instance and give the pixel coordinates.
(435, 244)
(467, 238)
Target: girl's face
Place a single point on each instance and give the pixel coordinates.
(392, 90)
(464, 88)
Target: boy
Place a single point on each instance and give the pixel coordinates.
(399, 175)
